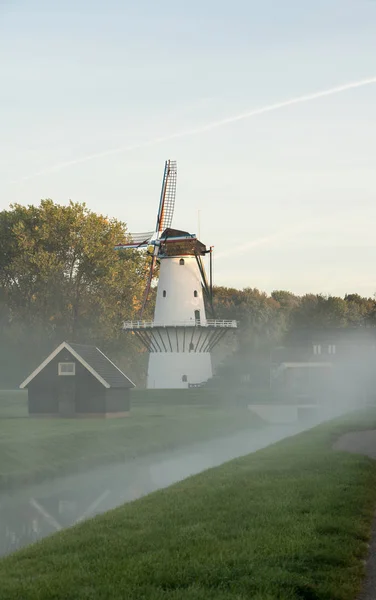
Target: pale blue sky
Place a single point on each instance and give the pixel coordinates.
(287, 198)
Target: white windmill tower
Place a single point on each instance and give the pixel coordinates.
(180, 338)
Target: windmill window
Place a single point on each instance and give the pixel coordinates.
(67, 368)
(164, 293)
(184, 378)
(195, 293)
(181, 261)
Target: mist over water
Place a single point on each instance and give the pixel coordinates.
(98, 490)
(297, 399)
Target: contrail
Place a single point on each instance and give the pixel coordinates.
(214, 125)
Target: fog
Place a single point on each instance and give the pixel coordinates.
(42, 509)
(300, 396)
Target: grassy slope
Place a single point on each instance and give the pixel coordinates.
(31, 449)
(289, 522)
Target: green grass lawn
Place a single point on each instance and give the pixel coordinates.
(289, 522)
(32, 449)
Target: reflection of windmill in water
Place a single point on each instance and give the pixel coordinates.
(180, 338)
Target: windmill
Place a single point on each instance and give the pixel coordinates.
(180, 338)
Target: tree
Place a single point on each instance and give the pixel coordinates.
(360, 311)
(286, 300)
(261, 320)
(62, 278)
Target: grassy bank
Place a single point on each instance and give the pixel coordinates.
(33, 449)
(288, 522)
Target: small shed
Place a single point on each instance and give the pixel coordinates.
(76, 380)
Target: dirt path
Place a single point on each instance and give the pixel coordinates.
(358, 442)
(363, 442)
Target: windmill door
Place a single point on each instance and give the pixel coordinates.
(67, 396)
(197, 316)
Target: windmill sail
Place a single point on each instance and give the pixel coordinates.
(153, 264)
(136, 240)
(164, 221)
(168, 193)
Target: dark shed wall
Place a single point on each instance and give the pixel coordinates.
(43, 390)
(90, 393)
(117, 400)
(42, 401)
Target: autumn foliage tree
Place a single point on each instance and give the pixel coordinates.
(60, 278)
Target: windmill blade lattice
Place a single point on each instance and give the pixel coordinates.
(164, 221)
(137, 240)
(168, 193)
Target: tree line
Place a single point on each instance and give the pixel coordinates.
(282, 318)
(61, 279)
(269, 320)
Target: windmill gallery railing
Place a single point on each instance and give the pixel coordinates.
(180, 336)
(211, 323)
